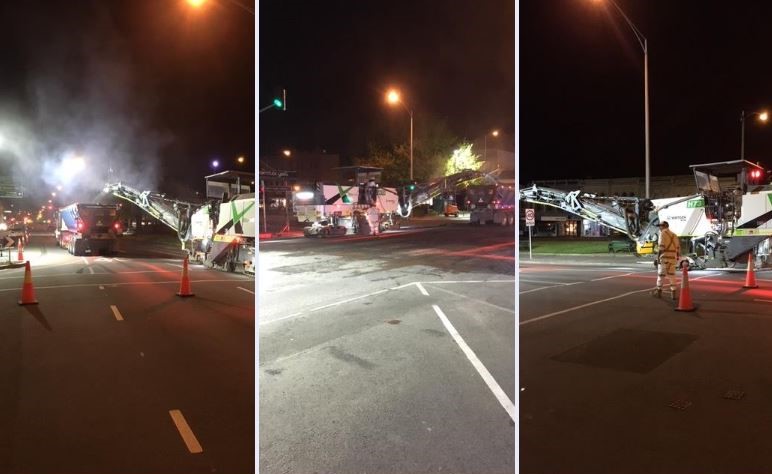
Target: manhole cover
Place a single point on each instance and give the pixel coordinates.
(734, 395)
(393, 321)
(680, 404)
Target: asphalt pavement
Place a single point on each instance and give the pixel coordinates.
(388, 354)
(113, 373)
(614, 380)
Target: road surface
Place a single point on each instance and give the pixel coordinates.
(614, 380)
(391, 354)
(113, 373)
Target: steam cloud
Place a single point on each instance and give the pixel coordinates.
(83, 100)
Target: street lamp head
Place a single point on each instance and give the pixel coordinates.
(196, 3)
(764, 116)
(495, 133)
(392, 97)
(215, 163)
(286, 152)
(240, 160)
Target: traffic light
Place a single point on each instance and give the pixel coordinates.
(755, 176)
(280, 101)
(411, 187)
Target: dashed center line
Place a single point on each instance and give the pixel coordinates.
(422, 289)
(244, 289)
(116, 313)
(185, 432)
(91, 270)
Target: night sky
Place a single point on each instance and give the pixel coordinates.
(453, 61)
(581, 89)
(152, 88)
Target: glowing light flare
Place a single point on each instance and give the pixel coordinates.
(392, 97)
(304, 195)
(287, 152)
(495, 133)
(196, 3)
(763, 116)
(240, 159)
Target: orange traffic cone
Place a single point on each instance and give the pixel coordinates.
(750, 277)
(185, 282)
(27, 290)
(685, 298)
(20, 253)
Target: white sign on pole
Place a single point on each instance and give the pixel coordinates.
(530, 217)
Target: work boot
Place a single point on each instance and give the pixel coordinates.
(657, 292)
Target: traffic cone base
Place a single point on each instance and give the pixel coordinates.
(685, 298)
(27, 290)
(750, 276)
(185, 281)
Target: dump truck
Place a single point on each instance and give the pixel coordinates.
(491, 203)
(87, 228)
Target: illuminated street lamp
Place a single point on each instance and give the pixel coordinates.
(286, 153)
(645, 47)
(763, 117)
(494, 133)
(199, 3)
(240, 160)
(393, 98)
(215, 164)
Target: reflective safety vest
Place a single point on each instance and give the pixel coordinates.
(668, 243)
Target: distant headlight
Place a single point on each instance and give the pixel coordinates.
(304, 195)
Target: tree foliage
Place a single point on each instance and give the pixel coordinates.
(461, 159)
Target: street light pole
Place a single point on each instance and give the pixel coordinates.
(411, 143)
(763, 116)
(645, 47)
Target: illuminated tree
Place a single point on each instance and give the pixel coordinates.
(461, 159)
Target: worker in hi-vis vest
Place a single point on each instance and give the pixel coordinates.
(667, 256)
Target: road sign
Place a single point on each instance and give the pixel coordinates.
(530, 217)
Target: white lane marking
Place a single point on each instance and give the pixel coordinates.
(553, 283)
(116, 313)
(349, 300)
(468, 281)
(85, 260)
(187, 434)
(573, 308)
(244, 289)
(52, 275)
(539, 289)
(478, 365)
(422, 289)
(508, 310)
(101, 287)
(612, 276)
(763, 301)
(592, 303)
(91, 270)
(114, 285)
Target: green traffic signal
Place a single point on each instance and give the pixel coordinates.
(278, 103)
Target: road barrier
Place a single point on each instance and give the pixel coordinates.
(750, 276)
(27, 290)
(185, 281)
(685, 298)
(20, 253)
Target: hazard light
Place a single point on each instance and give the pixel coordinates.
(81, 225)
